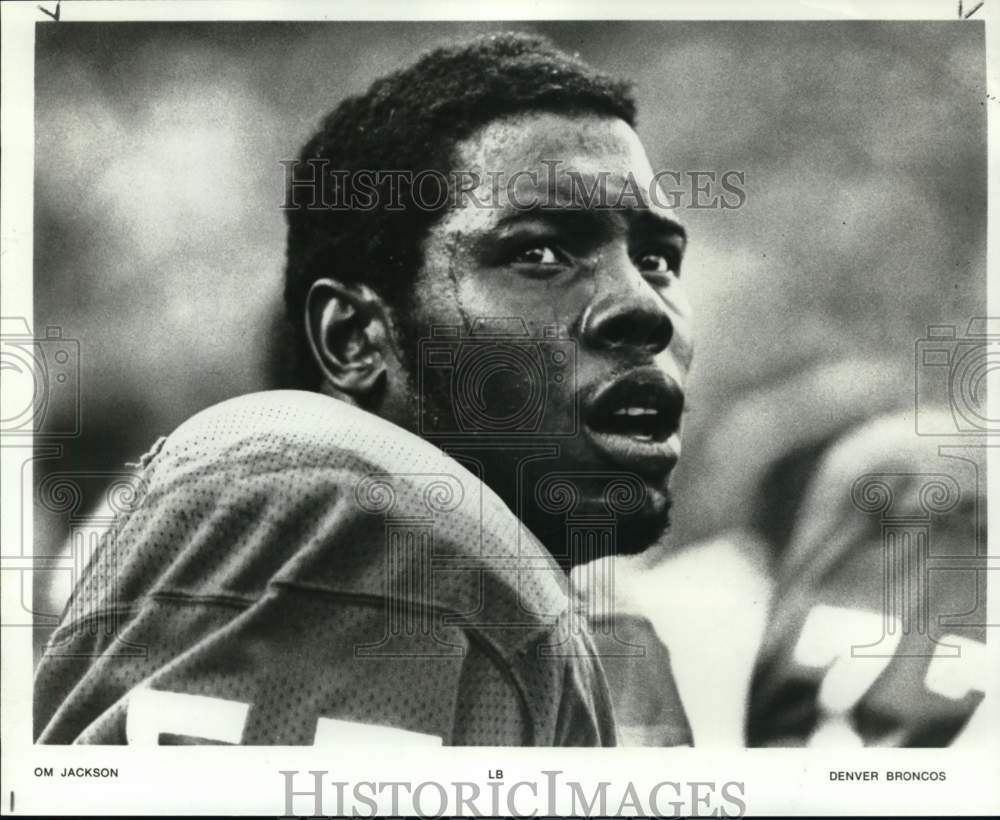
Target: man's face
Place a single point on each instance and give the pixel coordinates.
(583, 420)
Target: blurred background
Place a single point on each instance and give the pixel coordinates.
(159, 239)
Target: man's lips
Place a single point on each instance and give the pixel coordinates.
(635, 419)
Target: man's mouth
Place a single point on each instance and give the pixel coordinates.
(635, 420)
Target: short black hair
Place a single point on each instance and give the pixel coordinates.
(411, 120)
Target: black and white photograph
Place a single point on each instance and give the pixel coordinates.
(409, 395)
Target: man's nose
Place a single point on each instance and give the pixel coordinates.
(628, 316)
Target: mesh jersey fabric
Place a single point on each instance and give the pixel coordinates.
(294, 570)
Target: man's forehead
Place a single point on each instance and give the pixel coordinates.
(585, 142)
(555, 160)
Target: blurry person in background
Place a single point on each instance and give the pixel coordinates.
(877, 633)
(316, 565)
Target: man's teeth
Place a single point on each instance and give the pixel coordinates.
(636, 411)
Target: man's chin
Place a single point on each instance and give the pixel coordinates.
(591, 533)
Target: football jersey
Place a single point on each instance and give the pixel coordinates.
(294, 570)
(647, 703)
(877, 636)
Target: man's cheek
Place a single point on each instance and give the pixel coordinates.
(675, 366)
(502, 297)
(681, 347)
(564, 303)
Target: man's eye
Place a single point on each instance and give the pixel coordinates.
(538, 255)
(654, 263)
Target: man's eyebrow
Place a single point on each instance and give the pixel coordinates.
(655, 221)
(596, 218)
(563, 215)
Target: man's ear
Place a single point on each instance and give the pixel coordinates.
(349, 334)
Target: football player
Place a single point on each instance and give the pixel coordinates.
(877, 635)
(488, 393)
